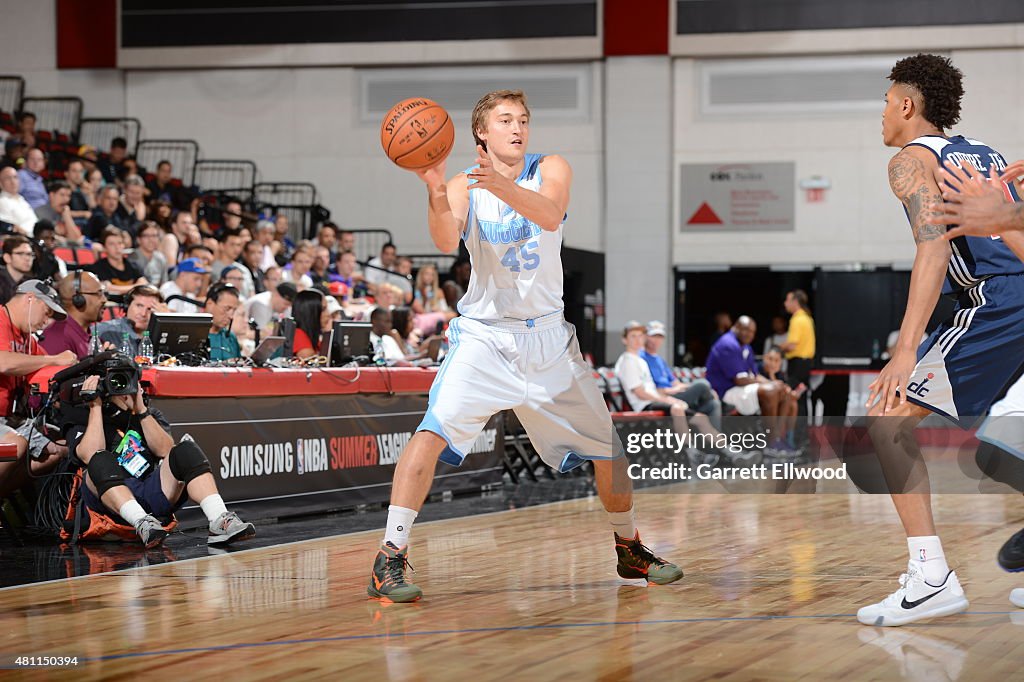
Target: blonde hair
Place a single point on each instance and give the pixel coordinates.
(488, 102)
(430, 304)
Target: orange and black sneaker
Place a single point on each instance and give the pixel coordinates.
(387, 581)
(637, 562)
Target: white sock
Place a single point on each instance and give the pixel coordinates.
(132, 512)
(399, 525)
(213, 506)
(623, 523)
(926, 551)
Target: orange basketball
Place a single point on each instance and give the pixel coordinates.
(417, 133)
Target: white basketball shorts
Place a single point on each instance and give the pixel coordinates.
(534, 369)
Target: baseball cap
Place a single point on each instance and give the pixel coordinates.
(12, 142)
(192, 265)
(332, 304)
(287, 291)
(655, 328)
(45, 293)
(631, 325)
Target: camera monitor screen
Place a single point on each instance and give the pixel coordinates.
(180, 333)
(351, 341)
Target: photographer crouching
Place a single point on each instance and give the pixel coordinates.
(133, 468)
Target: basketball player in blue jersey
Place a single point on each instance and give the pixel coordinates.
(964, 365)
(511, 348)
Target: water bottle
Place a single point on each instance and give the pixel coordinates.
(876, 350)
(379, 358)
(126, 346)
(94, 343)
(146, 347)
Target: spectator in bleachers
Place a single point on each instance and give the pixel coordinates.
(221, 302)
(252, 259)
(111, 165)
(298, 270)
(284, 246)
(379, 266)
(428, 297)
(73, 332)
(128, 168)
(235, 275)
(96, 182)
(173, 244)
(698, 393)
(147, 256)
(732, 371)
(188, 281)
(388, 296)
(200, 251)
(272, 277)
(327, 237)
(83, 196)
(637, 384)
(26, 124)
(773, 368)
(46, 264)
(723, 323)
(140, 303)
(346, 241)
(14, 153)
(88, 156)
(265, 236)
(403, 278)
(778, 336)
(311, 317)
(455, 288)
(345, 273)
(18, 260)
(319, 272)
(229, 248)
(32, 185)
(270, 307)
(160, 186)
(106, 213)
(231, 215)
(118, 273)
(14, 209)
(132, 207)
(382, 336)
(161, 213)
(57, 210)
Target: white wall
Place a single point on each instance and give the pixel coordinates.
(860, 220)
(304, 124)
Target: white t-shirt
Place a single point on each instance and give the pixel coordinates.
(305, 282)
(172, 289)
(375, 276)
(634, 373)
(16, 211)
(392, 353)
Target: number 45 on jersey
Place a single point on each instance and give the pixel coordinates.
(522, 257)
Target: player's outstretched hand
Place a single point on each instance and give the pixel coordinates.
(433, 176)
(483, 176)
(894, 376)
(976, 204)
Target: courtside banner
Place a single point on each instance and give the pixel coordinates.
(309, 453)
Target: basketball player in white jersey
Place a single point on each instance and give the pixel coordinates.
(511, 348)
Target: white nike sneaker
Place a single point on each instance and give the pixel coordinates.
(915, 600)
(1017, 597)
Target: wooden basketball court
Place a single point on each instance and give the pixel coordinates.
(771, 588)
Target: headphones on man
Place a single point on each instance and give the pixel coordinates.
(78, 299)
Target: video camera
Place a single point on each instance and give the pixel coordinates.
(118, 373)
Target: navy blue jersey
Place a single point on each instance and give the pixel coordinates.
(974, 258)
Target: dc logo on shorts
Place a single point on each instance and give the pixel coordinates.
(917, 387)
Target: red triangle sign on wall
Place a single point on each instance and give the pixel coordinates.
(705, 215)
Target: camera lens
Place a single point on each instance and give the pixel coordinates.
(118, 381)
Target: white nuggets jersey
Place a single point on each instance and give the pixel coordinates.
(517, 266)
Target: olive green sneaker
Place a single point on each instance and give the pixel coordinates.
(387, 581)
(637, 562)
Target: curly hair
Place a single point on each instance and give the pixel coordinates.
(939, 82)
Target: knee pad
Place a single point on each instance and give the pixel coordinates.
(105, 472)
(187, 461)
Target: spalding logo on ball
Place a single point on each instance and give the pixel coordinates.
(417, 133)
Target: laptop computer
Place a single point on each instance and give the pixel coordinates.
(326, 346)
(269, 348)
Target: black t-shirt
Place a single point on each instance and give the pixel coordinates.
(108, 273)
(117, 423)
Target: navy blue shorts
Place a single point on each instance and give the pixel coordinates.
(965, 364)
(148, 494)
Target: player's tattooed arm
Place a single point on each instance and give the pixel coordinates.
(913, 183)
